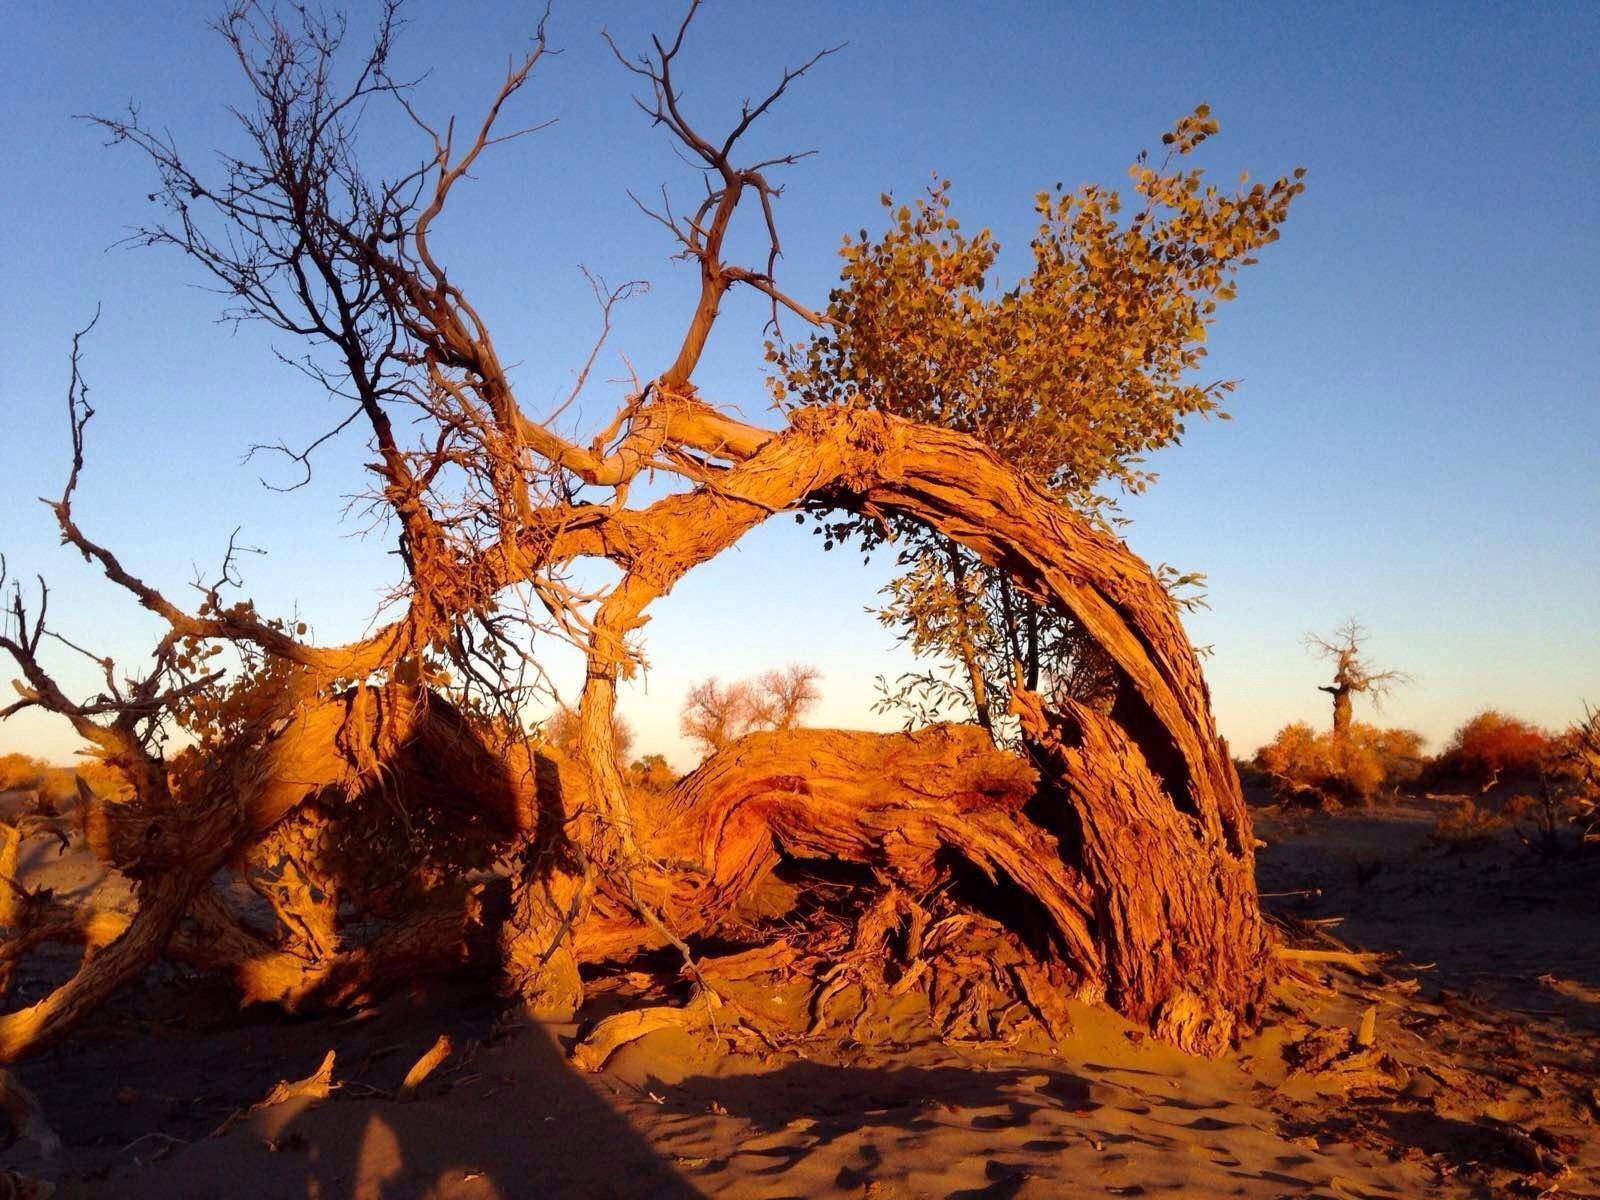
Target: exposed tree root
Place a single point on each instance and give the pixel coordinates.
(610, 1035)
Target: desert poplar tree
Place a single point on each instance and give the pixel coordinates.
(1074, 373)
(1353, 674)
(381, 778)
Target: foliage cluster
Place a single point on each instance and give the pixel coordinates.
(653, 774)
(55, 785)
(1489, 746)
(1551, 781)
(1541, 784)
(1082, 367)
(1073, 375)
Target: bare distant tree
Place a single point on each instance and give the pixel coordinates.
(785, 695)
(715, 713)
(1353, 675)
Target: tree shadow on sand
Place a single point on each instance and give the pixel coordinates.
(516, 1121)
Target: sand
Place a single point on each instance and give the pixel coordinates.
(1486, 1017)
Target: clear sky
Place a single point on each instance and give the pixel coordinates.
(1416, 433)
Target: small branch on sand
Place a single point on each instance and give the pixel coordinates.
(442, 1049)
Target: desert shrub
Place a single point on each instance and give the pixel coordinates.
(652, 774)
(1579, 756)
(1490, 746)
(1366, 762)
(1398, 751)
(20, 772)
(102, 779)
(1467, 826)
(1296, 753)
(561, 728)
(1567, 786)
(59, 787)
(1559, 776)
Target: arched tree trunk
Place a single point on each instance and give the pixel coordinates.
(1136, 847)
(1185, 948)
(1165, 836)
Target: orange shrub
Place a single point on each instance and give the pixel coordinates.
(58, 788)
(653, 774)
(1490, 745)
(102, 778)
(1369, 760)
(20, 772)
(1468, 827)
(1297, 752)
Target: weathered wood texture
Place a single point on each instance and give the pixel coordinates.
(1136, 845)
(1153, 787)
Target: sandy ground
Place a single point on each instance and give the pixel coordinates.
(1486, 1018)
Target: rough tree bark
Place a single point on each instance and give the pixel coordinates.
(897, 803)
(1146, 870)
(1184, 807)
(171, 851)
(1343, 710)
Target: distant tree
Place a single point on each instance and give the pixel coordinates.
(715, 713)
(1353, 675)
(652, 774)
(785, 695)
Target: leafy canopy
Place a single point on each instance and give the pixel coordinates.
(1082, 367)
(1072, 375)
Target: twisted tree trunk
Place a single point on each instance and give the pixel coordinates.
(173, 848)
(1132, 853)
(1162, 846)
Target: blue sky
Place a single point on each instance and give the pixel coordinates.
(1416, 427)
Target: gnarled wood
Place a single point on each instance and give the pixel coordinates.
(1150, 783)
(1160, 727)
(1185, 947)
(172, 849)
(897, 803)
